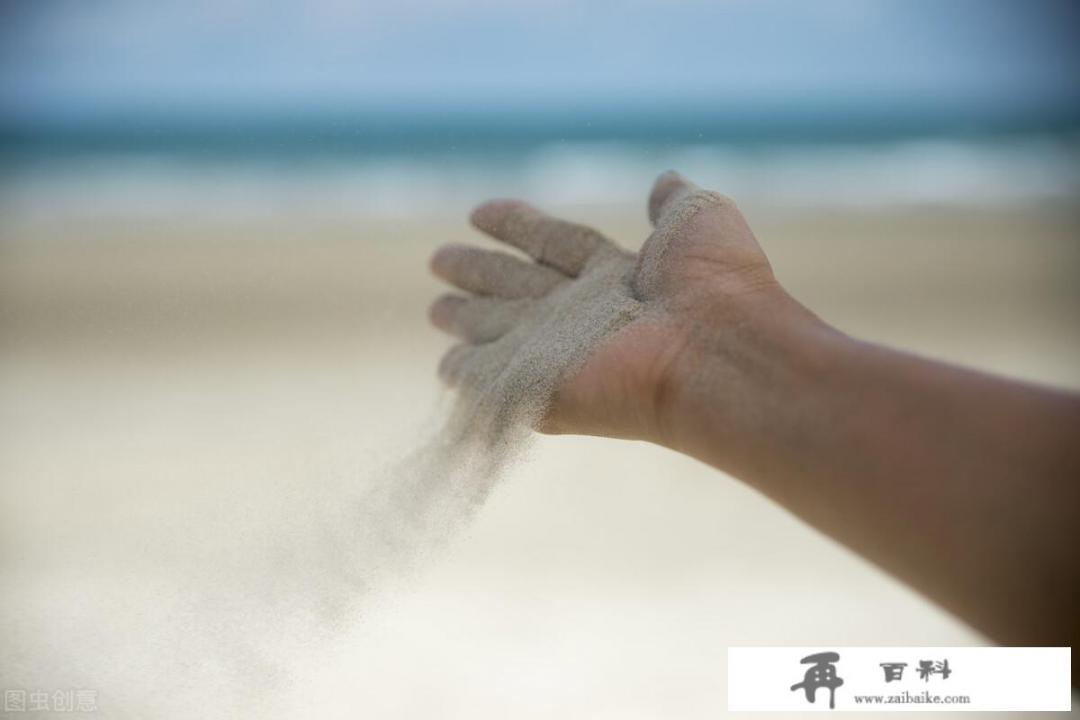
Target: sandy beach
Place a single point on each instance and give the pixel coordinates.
(168, 376)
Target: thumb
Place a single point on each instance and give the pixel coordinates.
(693, 227)
(667, 193)
(686, 220)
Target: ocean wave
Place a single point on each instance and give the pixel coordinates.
(558, 174)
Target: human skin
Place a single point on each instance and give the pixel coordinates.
(962, 484)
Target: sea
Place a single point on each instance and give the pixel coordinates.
(428, 160)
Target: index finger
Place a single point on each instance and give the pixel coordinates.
(561, 244)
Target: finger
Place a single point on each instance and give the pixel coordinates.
(477, 319)
(667, 193)
(487, 272)
(549, 240)
(455, 362)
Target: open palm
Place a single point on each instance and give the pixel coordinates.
(701, 259)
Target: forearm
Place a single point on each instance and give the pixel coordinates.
(964, 485)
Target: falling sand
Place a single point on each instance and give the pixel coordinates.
(504, 388)
(410, 509)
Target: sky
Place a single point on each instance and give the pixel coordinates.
(73, 59)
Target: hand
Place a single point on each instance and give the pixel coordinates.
(701, 267)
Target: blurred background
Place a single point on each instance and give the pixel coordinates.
(214, 225)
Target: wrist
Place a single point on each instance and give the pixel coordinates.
(746, 367)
